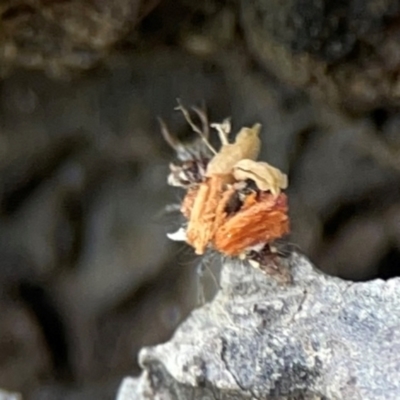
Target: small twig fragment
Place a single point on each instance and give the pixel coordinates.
(194, 127)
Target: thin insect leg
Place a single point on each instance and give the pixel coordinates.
(202, 267)
(200, 272)
(195, 128)
(283, 248)
(205, 266)
(168, 210)
(201, 297)
(182, 253)
(172, 208)
(213, 277)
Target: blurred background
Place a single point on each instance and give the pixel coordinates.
(87, 275)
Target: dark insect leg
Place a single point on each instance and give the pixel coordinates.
(203, 267)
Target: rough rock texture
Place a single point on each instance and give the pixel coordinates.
(61, 35)
(23, 353)
(346, 51)
(317, 338)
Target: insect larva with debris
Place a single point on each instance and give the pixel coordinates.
(234, 204)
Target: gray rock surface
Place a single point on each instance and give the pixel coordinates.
(342, 51)
(9, 396)
(318, 337)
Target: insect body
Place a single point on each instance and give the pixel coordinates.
(233, 204)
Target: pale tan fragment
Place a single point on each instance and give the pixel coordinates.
(223, 129)
(247, 145)
(249, 141)
(265, 176)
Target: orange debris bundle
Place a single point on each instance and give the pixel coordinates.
(233, 203)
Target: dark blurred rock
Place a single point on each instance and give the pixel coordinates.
(61, 35)
(25, 360)
(256, 96)
(317, 338)
(344, 51)
(42, 230)
(82, 185)
(104, 390)
(336, 166)
(357, 249)
(120, 241)
(123, 247)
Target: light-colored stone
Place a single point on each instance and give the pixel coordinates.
(4, 395)
(318, 338)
